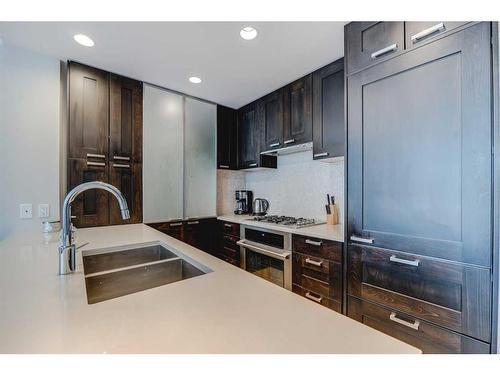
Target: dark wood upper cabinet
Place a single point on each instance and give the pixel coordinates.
(419, 168)
(418, 33)
(368, 43)
(88, 112)
(328, 111)
(227, 138)
(270, 111)
(127, 177)
(249, 136)
(298, 112)
(125, 119)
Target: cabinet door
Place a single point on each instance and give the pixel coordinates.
(298, 112)
(200, 233)
(370, 42)
(270, 109)
(88, 112)
(328, 111)
(125, 121)
(127, 177)
(418, 33)
(227, 138)
(248, 137)
(90, 207)
(419, 167)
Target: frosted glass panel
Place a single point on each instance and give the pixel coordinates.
(163, 155)
(199, 159)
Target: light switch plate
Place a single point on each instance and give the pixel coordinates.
(43, 210)
(26, 211)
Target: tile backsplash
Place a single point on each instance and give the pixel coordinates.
(298, 187)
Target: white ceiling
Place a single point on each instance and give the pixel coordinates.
(234, 71)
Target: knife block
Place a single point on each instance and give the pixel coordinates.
(333, 218)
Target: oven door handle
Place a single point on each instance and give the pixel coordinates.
(260, 250)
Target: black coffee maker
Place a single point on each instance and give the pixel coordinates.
(244, 200)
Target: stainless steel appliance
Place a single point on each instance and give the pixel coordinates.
(243, 202)
(260, 206)
(267, 253)
(289, 221)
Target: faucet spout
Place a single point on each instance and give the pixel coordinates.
(67, 251)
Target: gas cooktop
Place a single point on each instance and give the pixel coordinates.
(296, 222)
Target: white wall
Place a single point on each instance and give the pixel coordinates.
(29, 137)
(298, 187)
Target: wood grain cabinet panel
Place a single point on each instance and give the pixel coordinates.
(330, 250)
(227, 138)
(427, 337)
(270, 111)
(127, 177)
(88, 112)
(171, 228)
(91, 207)
(125, 121)
(418, 33)
(249, 136)
(329, 303)
(452, 295)
(298, 111)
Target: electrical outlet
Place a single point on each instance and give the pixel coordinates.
(26, 211)
(43, 210)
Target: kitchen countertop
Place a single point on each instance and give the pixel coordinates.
(224, 311)
(323, 231)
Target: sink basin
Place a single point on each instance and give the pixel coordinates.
(120, 272)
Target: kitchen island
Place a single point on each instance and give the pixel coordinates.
(224, 311)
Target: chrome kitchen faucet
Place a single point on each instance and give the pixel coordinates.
(67, 248)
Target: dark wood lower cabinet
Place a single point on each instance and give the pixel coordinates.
(427, 337)
(228, 234)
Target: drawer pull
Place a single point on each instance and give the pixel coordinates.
(96, 164)
(115, 165)
(252, 165)
(228, 225)
(274, 144)
(314, 298)
(288, 141)
(175, 225)
(361, 239)
(431, 30)
(395, 259)
(121, 158)
(193, 222)
(383, 51)
(99, 156)
(314, 263)
(224, 166)
(413, 325)
(315, 243)
(321, 154)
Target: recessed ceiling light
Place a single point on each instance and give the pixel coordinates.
(248, 33)
(84, 40)
(194, 79)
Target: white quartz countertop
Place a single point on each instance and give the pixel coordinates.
(224, 311)
(323, 231)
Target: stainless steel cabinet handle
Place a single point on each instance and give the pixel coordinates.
(315, 243)
(228, 225)
(175, 224)
(395, 259)
(223, 166)
(361, 239)
(314, 263)
(121, 165)
(274, 144)
(99, 156)
(193, 222)
(289, 141)
(431, 30)
(96, 164)
(121, 158)
(252, 165)
(413, 325)
(321, 154)
(314, 298)
(383, 51)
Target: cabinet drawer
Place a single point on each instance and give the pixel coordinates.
(231, 229)
(230, 252)
(452, 295)
(230, 241)
(417, 33)
(331, 304)
(317, 247)
(427, 337)
(370, 42)
(173, 228)
(330, 289)
(234, 262)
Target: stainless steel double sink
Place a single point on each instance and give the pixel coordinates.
(123, 271)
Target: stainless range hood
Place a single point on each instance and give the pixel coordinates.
(289, 149)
